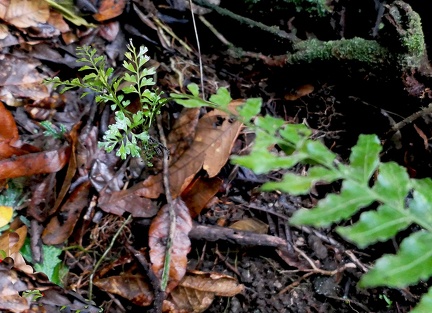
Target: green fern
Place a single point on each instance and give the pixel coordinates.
(400, 200)
(130, 132)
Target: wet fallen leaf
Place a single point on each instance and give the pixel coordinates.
(251, 224)
(24, 13)
(422, 136)
(20, 78)
(34, 163)
(61, 226)
(196, 291)
(9, 129)
(56, 19)
(158, 235)
(109, 31)
(199, 193)
(214, 138)
(109, 9)
(129, 286)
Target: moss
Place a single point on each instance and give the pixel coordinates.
(356, 49)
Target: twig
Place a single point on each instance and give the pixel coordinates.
(171, 213)
(251, 23)
(154, 280)
(199, 50)
(410, 119)
(99, 262)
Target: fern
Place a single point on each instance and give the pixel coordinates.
(130, 132)
(400, 200)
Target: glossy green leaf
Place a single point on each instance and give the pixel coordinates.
(50, 264)
(335, 208)
(425, 304)
(300, 185)
(412, 263)
(318, 152)
(392, 184)
(421, 203)
(364, 158)
(373, 226)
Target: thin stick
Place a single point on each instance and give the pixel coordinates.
(199, 50)
(410, 119)
(171, 213)
(99, 262)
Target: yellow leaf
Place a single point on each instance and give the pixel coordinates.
(6, 213)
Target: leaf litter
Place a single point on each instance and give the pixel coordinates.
(77, 197)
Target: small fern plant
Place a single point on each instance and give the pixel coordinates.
(400, 201)
(130, 132)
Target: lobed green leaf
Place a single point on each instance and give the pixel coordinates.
(364, 158)
(425, 304)
(374, 226)
(412, 263)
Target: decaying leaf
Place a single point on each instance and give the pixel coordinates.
(199, 193)
(158, 235)
(119, 202)
(109, 9)
(129, 286)
(34, 163)
(19, 78)
(214, 138)
(196, 291)
(6, 213)
(24, 13)
(61, 226)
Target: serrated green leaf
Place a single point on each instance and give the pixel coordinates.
(250, 108)
(392, 184)
(269, 124)
(420, 206)
(222, 97)
(412, 263)
(364, 158)
(375, 226)
(194, 89)
(295, 133)
(335, 208)
(425, 304)
(300, 185)
(50, 261)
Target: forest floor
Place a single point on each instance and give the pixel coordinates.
(71, 207)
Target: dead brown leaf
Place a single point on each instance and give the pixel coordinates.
(127, 200)
(299, 92)
(196, 291)
(199, 193)
(24, 13)
(158, 235)
(60, 227)
(19, 78)
(215, 135)
(34, 163)
(109, 9)
(129, 286)
(251, 224)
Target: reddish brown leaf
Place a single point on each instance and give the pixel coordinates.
(422, 136)
(127, 200)
(212, 145)
(199, 193)
(109, 31)
(8, 129)
(109, 9)
(56, 19)
(24, 13)
(59, 229)
(128, 286)
(34, 163)
(299, 92)
(158, 236)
